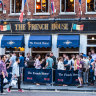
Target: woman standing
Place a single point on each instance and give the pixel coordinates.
(60, 65)
(76, 63)
(37, 63)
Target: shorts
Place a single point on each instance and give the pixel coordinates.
(80, 74)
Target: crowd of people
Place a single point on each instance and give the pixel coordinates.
(86, 66)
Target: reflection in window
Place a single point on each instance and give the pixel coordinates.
(91, 5)
(67, 5)
(16, 6)
(41, 6)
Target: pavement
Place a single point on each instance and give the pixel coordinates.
(49, 87)
(49, 93)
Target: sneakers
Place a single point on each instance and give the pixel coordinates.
(2, 93)
(79, 86)
(20, 90)
(8, 90)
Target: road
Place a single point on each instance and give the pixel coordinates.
(50, 93)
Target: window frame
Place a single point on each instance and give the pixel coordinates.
(12, 14)
(90, 45)
(66, 13)
(41, 13)
(89, 12)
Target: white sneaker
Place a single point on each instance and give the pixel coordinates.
(3, 93)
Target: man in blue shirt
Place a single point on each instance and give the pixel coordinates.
(49, 62)
(91, 71)
(21, 65)
(21, 60)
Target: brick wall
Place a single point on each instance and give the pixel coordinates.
(31, 4)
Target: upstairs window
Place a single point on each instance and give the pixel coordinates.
(91, 5)
(41, 6)
(67, 5)
(15, 6)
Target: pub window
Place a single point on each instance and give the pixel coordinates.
(68, 51)
(91, 5)
(16, 50)
(42, 51)
(91, 39)
(15, 6)
(41, 6)
(67, 5)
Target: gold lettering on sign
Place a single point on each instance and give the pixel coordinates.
(58, 26)
(20, 27)
(38, 26)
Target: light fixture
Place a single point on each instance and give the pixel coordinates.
(5, 23)
(93, 38)
(43, 1)
(88, 1)
(38, 0)
(71, 0)
(38, 7)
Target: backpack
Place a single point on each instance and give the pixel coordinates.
(83, 69)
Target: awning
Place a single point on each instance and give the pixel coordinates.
(68, 41)
(40, 41)
(12, 41)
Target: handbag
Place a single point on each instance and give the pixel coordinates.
(5, 80)
(13, 82)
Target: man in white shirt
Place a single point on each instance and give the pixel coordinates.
(93, 54)
(16, 75)
(86, 68)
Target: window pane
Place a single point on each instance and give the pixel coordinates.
(16, 6)
(41, 6)
(91, 37)
(41, 49)
(90, 5)
(69, 49)
(91, 42)
(67, 6)
(12, 6)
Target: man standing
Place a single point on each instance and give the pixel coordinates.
(86, 69)
(93, 54)
(12, 59)
(3, 71)
(21, 65)
(54, 65)
(16, 75)
(91, 71)
(54, 59)
(49, 62)
(80, 71)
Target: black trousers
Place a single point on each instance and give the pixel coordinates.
(19, 83)
(1, 76)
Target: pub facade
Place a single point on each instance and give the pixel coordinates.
(43, 31)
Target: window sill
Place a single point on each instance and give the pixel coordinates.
(14, 14)
(88, 13)
(67, 13)
(41, 14)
